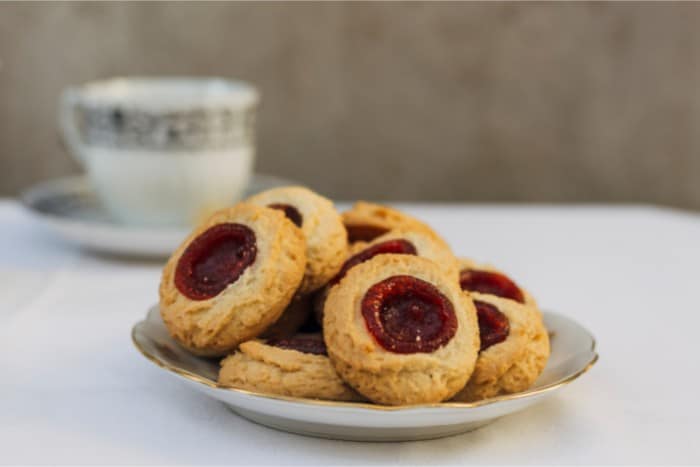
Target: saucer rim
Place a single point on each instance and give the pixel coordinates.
(212, 385)
(80, 186)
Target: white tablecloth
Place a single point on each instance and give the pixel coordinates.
(74, 390)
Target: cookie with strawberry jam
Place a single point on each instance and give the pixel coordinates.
(231, 278)
(396, 242)
(514, 348)
(400, 331)
(297, 366)
(485, 279)
(326, 239)
(366, 221)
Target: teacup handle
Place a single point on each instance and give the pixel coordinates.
(69, 129)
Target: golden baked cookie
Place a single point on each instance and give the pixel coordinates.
(406, 242)
(366, 221)
(296, 367)
(514, 349)
(426, 245)
(293, 317)
(231, 278)
(326, 239)
(399, 331)
(484, 278)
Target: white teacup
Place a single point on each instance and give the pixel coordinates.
(162, 151)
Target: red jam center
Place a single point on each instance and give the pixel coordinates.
(364, 233)
(290, 211)
(492, 283)
(214, 260)
(408, 315)
(493, 324)
(397, 247)
(305, 343)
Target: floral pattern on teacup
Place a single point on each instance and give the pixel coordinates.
(197, 129)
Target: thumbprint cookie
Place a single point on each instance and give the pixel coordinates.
(296, 367)
(403, 242)
(399, 331)
(326, 239)
(366, 221)
(514, 348)
(231, 278)
(485, 279)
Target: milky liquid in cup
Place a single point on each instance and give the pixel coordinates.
(163, 151)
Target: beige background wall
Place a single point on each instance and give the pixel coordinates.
(522, 102)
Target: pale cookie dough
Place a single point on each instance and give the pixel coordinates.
(259, 367)
(388, 377)
(326, 238)
(214, 325)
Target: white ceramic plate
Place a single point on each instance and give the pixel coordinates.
(573, 353)
(69, 207)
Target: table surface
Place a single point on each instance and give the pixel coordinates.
(74, 390)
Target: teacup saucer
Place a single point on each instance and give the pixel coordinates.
(69, 207)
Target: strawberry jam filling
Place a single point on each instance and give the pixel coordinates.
(290, 211)
(407, 315)
(364, 233)
(489, 282)
(493, 324)
(305, 343)
(397, 247)
(214, 260)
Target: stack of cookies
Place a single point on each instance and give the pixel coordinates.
(370, 305)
